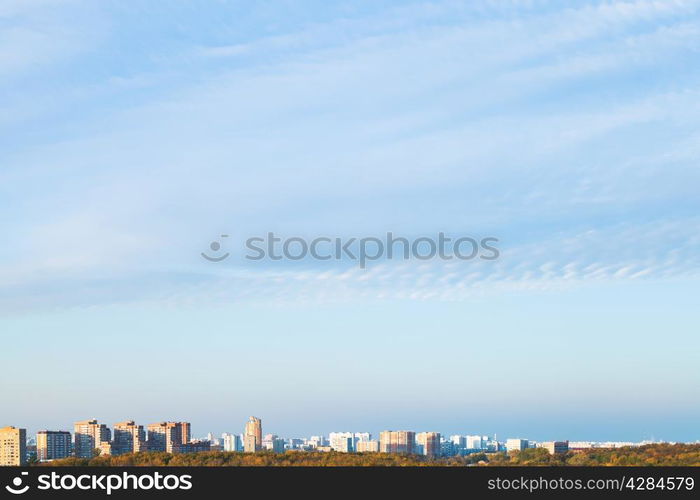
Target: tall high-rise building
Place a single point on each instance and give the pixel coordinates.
(51, 445)
(88, 435)
(165, 436)
(397, 441)
(232, 442)
(13, 446)
(128, 438)
(252, 437)
(342, 441)
(430, 443)
(185, 432)
(249, 444)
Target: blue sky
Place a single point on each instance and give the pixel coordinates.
(132, 134)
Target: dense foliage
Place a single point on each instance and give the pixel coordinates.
(654, 454)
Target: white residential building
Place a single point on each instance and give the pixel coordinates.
(516, 444)
(232, 442)
(474, 443)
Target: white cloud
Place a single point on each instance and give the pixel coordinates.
(450, 114)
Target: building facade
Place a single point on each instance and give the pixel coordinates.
(474, 443)
(555, 447)
(277, 445)
(342, 441)
(51, 445)
(367, 446)
(185, 432)
(252, 436)
(89, 435)
(430, 443)
(249, 445)
(459, 442)
(13, 446)
(397, 442)
(128, 438)
(165, 436)
(232, 442)
(516, 444)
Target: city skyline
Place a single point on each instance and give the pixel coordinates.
(200, 434)
(92, 438)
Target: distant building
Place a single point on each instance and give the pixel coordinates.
(277, 445)
(295, 443)
(474, 443)
(397, 441)
(430, 442)
(13, 446)
(51, 445)
(166, 436)
(274, 443)
(185, 432)
(31, 451)
(555, 447)
(449, 449)
(317, 442)
(581, 445)
(232, 442)
(516, 444)
(128, 438)
(88, 435)
(216, 443)
(195, 446)
(362, 436)
(367, 446)
(252, 436)
(249, 443)
(339, 440)
(105, 448)
(268, 441)
(615, 444)
(342, 441)
(459, 442)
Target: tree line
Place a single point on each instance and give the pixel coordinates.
(654, 454)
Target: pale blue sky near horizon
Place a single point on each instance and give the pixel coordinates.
(132, 134)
